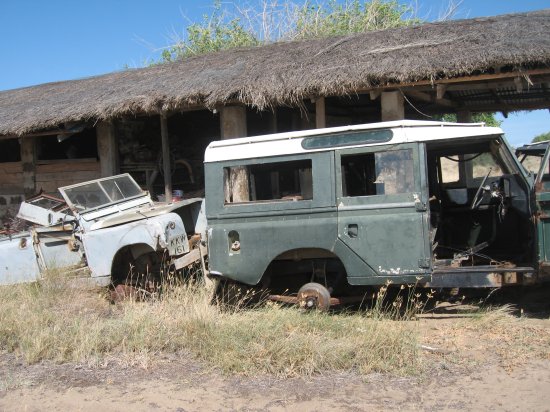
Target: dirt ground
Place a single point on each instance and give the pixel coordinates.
(465, 368)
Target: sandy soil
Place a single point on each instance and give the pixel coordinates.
(463, 370)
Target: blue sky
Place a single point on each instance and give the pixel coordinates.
(44, 41)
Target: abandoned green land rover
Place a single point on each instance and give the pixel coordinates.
(319, 215)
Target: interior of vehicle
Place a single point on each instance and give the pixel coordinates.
(479, 205)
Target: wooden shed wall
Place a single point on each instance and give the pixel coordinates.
(50, 176)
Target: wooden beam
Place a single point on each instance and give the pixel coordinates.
(428, 98)
(483, 85)
(58, 132)
(393, 107)
(440, 91)
(464, 79)
(511, 108)
(320, 114)
(28, 164)
(107, 149)
(500, 101)
(374, 94)
(166, 166)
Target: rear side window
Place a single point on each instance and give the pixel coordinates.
(280, 181)
(381, 173)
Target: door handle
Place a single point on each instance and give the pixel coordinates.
(352, 230)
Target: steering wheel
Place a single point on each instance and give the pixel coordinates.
(478, 196)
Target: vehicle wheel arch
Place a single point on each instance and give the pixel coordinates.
(303, 255)
(126, 256)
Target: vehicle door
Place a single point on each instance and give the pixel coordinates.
(382, 208)
(542, 200)
(52, 237)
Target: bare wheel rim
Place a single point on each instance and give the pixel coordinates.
(314, 296)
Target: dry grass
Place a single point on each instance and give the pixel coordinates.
(514, 339)
(489, 334)
(54, 321)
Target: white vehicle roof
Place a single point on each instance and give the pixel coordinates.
(403, 131)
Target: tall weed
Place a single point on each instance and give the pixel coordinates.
(53, 320)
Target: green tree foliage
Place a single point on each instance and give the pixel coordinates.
(541, 137)
(231, 25)
(335, 18)
(216, 32)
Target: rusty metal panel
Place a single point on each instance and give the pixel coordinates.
(465, 280)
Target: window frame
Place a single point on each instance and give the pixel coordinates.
(287, 198)
(323, 175)
(417, 159)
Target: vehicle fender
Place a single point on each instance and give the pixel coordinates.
(102, 245)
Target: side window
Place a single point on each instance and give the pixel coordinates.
(465, 167)
(450, 172)
(280, 181)
(482, 163)
(381, 173)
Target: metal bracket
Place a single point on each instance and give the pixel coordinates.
(419, 205)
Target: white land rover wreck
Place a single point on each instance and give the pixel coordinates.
(108, 231)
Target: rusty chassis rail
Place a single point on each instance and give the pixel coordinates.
(293, 300)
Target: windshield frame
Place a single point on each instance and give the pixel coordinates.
(79, 208)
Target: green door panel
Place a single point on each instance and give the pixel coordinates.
(382, 214)
(262, 239)
(266, 229)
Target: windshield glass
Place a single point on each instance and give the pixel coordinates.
(91, 195)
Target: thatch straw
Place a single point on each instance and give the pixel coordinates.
(285, 73)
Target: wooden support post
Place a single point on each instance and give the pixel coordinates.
(440, 91)
(306, 122)
(107, 149)
(233, 124)
(273, 121)
(166, 166)
(464, 116)
(320, 113)
(393, 107)
(28, 164)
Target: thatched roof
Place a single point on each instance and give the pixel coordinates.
(285, 73)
